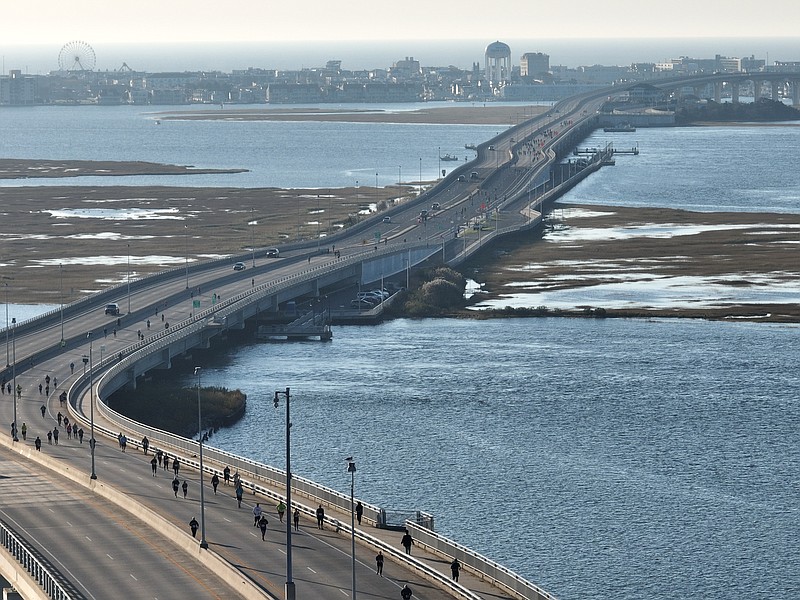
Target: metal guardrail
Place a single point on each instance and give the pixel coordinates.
(53, 584)
(478, 564)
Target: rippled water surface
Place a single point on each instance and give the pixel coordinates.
(598, 458)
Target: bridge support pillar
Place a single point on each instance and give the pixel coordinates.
(718, 92)
(795, 91)
(756, 90)
(776, 90)
(735, 92)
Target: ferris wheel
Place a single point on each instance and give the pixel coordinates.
(76, 56)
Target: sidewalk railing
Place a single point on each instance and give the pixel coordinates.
(49, 580)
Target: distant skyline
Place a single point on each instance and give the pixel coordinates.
(204, 21)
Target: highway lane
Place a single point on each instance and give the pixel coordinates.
(173, 301)
(102, 551)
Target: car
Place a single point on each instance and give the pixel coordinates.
(239, 266)
(491, 147)
(462, 177)
(473, 175)
(375, 297)
(112, 309)
(435, 206)
(361, 304)
(387, 219)
(273, 253)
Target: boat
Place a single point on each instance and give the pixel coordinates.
(624, 128)
(448, 157)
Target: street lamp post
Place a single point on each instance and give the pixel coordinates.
(186, 247)
(420, 176)
(351, 468)
(8, 358)
(253, 235)
(289, 592)
(14, 376)
(203, 542)
(61, 299)
(129, 279)
(92, 441)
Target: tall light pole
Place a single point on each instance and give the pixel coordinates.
(289, 587)
(8, 358)
(14, 376)
(129, 279)
(420, 176)
(186, 247)
(61, 298)
(351, 468)
(92, 441)
(253, 235)
(203, 542)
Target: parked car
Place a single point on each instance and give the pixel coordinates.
(239, 266)
(361, 304)
(273, 253)
(112, 309)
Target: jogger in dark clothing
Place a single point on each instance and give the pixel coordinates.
(193, 525)
(176, 484)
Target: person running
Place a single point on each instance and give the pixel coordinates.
(406, 592)
(43, 408)
(124, 443)
(379, 564)
(72, 368)
(38, 444)
(281, 508)
(160, 456)
(69, 431)
(80, 435)
(166, 461)
(185, 488)
(407, 541)
(226, 475)
(256, 514)
(60, 418)
(320, 517)
(359, 511)
(154, 465)
(176, 484)
(49, 437)
(297, 519)
(262, 525)
(24, 430)
(55, 435)
(145, 444)
(455, 568)
(176, 466)
(193, 525)
(239, 494)
(215, 482)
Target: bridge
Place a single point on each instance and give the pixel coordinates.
(505, 189)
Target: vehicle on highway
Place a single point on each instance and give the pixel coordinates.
(473, 175)
(361, 304)
(387, 219)
(273, 253)
(239, 266)
(462, 177)
(435, 206)
(112, 309)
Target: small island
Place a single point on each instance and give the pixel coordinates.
(18, 168)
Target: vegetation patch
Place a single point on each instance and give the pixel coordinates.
(163, 406)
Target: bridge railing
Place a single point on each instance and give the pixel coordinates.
(477, 564)
(27, 556)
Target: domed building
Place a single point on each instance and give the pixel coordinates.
(498, 63)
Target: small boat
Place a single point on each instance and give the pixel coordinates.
(624, 128)
(448, 157)
(470, 146)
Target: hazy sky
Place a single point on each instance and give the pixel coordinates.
(159, 21)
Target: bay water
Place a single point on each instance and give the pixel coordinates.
(598, 458)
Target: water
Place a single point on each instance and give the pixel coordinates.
(598, 458)
(617, 458)
(277, 153)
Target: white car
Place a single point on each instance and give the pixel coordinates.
(239, 266)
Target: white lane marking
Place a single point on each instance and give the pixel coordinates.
(134, 577)
(88, 538)
(68, 523)
(109, 556)
(312, 570)
(227, 519)
(345, 593)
